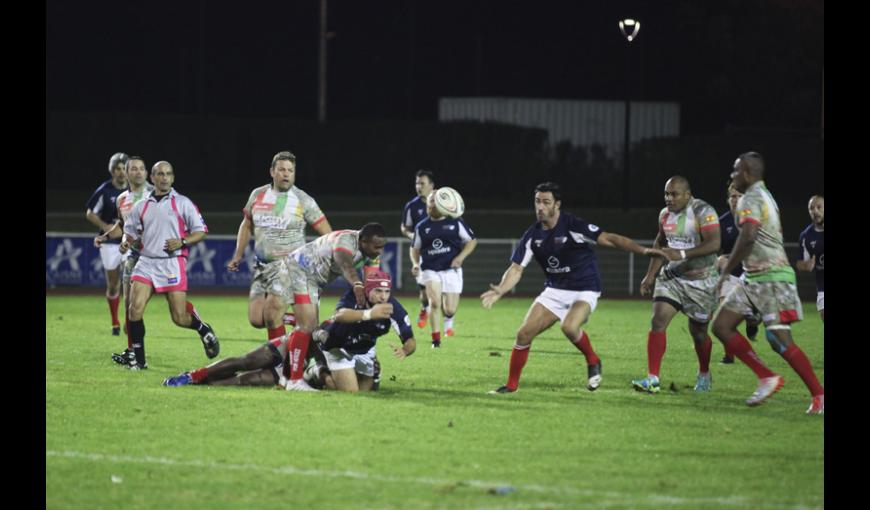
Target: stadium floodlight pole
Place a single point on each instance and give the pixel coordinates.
(321, 89)
(634, 27)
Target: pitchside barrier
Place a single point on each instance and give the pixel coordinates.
(72, 261)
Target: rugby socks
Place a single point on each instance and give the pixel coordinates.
(519, 356)
(277, 332)
(739, 346)
(436, 337)
(137, 334)
(297, 349)
(703, 350)
(199, 375)
(728, 353)
(799, 362)
(195, 321)
(448, 324)
(113, 309)
(585, 347)
(655, 350)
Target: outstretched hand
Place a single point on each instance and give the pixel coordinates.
(489, 297)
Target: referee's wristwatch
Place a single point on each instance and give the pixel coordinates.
(183, 242)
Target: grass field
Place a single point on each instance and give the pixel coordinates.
(431, 437)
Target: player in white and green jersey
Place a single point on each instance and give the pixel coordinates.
(769, 287)
(309, 269)
(689, 235)
(275, 215)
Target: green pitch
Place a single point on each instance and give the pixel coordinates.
(431, 437)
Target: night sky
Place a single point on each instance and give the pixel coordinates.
(754, 63)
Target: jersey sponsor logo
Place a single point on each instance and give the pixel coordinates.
(427, 229)
(669, 227)
(538, 242)
(172, 279)
(560, 240)
(438, 248)
(553, 262)
(450, 227)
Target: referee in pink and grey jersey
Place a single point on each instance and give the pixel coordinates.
(170, 223)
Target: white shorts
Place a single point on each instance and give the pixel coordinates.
(820, 301)
(165, 275)
(110, 254)
(363, 364)
(560, 301)
(451, 279)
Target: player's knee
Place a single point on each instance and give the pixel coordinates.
(722, 331)
(524, 337)
(778, 344)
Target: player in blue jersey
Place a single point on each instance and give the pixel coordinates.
(348, 338)
(729, 232)
(561, 243)
(101, 212)
(413, 213)
(812, 245)
(441, 245)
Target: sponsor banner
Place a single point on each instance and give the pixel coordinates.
(72, 260)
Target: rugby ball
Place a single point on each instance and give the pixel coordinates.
(449, 202)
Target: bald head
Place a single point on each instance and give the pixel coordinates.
(678, 182)
(754, 164)
(162, 176)
(162, 164)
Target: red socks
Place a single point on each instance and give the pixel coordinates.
(703, 351)
(436, 336)
(740, 347)
(199, 375)
(113, 309)
(655, 351)
(276, 332)
(585, 347)
(297, 348)
(519, 356)
(799, 362)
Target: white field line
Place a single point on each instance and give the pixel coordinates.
(601, 498)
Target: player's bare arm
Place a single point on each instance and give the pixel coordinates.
(655, 263)
(350, 315)
(345, 265)
(611, 240)
(246, 230)
(509, 280)
(467, 248)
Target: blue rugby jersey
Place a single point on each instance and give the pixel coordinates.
(729, 232)
(103, 204)
(812, 242)
(414, 212)
(440, 241)
(359, 337)
(564, 252)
